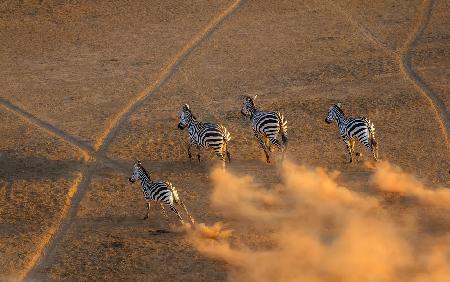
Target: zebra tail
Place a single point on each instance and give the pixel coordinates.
(177, 200)
(284, 140)
(373, 141)
(227, 139)
(176, 197)
(283, 128)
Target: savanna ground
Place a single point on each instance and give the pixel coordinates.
(88, 87)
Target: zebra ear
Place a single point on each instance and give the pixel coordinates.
(139, 163)
(186, 107)
(339, 105)
(254, 98)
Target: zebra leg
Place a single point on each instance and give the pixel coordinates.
(374, 148)
(164, 212)
(219, 153)
(349, 149)
(275, 142)
(284, 140)
(176, 212)
(198, 153)
(189, 215)
(225, 151)
(268, 144)
(189, 151)
(352, 148)
(148, 211)
(263, 145)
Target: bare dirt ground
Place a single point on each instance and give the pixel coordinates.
(88, 87)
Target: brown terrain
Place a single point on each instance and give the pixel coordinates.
(90, 86)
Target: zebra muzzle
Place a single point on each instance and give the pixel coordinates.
(180, 126)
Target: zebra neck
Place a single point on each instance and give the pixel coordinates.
(144, 178)
(341, 120)
(252, 111)
(194, 124)
(145, 184)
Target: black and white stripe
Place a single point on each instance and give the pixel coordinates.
(266, 126)
(204, 134)
(352, 128)
(162, 192)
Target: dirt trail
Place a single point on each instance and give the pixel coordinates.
(404, 57)
(55, 229)
(45, 251)
(406, 68)
(86, 149)
(105, 139)
(45, 255)
(364, 30)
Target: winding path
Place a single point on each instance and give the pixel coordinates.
(406, 68)
(403, 55)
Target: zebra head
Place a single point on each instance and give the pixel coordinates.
(248, 108)
(335, 113)
(186, 117)
(136, 172)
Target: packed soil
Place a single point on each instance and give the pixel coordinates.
(88, 87)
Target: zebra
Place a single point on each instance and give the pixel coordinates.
(266, 127)
(203, 135)
(158, 191)
(353, 127)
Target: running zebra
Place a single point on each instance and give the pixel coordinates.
(352, 128)
(203, 134)
(158, 191)
(266, 127)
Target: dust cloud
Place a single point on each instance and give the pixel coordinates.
(390, 178)
(321, 231)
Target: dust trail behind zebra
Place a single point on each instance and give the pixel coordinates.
(322, 231)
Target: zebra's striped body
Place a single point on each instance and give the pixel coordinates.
(203, 135)
(351, 128)
(162, 192)
(266, 127)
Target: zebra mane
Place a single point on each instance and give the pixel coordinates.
(186, 108)
(145, 172)
(338, 109)
(251, 100)
(192, 115)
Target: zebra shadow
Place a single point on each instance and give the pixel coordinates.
(155, 226)
(16, 166)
